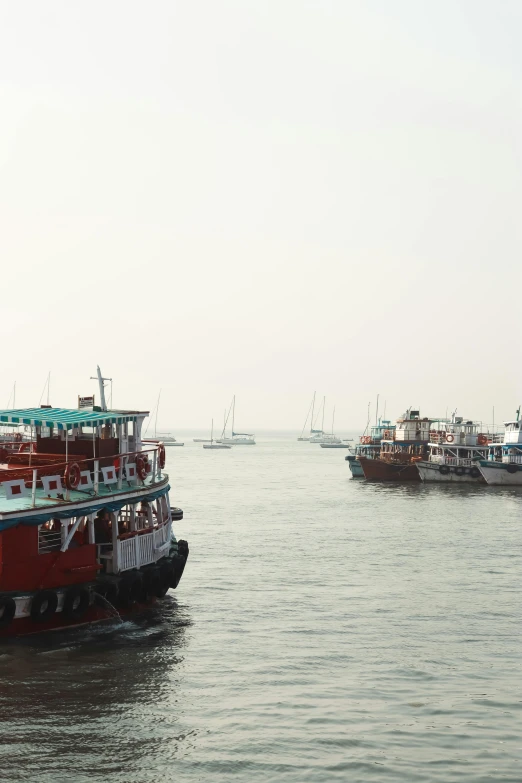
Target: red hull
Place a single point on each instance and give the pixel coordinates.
(380, 470)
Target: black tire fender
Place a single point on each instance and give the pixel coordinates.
(7, 609)
(43, 606)
(76, 602)
(130, 589)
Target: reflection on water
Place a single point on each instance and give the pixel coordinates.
(325, 629)
(83, 700)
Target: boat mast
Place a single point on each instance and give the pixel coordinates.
(156, 419)
(306, 421)
(322, 420)
(312, 419)
(101, 385)
(377, 411)
(212, 433)
(333, 419)
(233, 413)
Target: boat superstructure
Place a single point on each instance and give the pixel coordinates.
(455, 450)
(85, 519)
(503, 464)
(399, 453)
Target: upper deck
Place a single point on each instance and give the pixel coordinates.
(75, 461)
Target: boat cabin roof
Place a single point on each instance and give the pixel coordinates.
(61, 418)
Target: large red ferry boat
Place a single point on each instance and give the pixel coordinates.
(85, 519)
(400, 450)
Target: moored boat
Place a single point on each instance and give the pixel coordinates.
(455, 451)
(369, 446)
(503, 465)
(85, 521)
(399, 453)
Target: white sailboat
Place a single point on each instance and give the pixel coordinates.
(326, 438)
(211, 445)
(236, 438)
(310, 409)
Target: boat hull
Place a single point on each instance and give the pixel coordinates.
(99, 609)
(355, 467)
(501, 473)
(381, 470)
(430, 471)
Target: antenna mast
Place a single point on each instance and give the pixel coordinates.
(101, 383)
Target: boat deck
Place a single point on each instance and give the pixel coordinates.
(15, 505)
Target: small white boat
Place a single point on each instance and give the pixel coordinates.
(210, 444)
(200, 440)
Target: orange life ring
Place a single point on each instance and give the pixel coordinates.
(482, 439)
(450, 438)
(72, 476)
(141, 468)
(161, 455)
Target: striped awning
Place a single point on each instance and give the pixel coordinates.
(61, 418)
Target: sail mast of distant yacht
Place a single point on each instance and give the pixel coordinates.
(310, 408)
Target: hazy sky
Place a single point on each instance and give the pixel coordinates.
(263, 197)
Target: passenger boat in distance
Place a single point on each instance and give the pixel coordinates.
(369, 446)
(400, 452)
(455, 451)
(503, 464)
(85, 520)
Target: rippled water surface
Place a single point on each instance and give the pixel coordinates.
(325, 629)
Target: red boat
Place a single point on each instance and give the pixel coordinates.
(401, 451)
(85, 520)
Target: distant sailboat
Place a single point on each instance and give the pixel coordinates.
(211, 445)
(165, 437)
(237, 438)
(310, 409)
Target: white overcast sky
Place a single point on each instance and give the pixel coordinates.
(264, 197)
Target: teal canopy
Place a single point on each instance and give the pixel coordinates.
(61, 418)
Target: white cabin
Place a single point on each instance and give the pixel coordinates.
(412, 427)
(513, 432)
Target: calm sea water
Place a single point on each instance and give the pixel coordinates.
(326, 629)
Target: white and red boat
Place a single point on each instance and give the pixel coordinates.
(85, 520)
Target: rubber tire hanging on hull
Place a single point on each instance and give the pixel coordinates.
(8, 605)
(76, 602)
(459, 470)
(152, 583)
(45, 600)
(511, 468)
(444, 470)
(474, 472)
(131, 588)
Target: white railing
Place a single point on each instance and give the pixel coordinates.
(144, 548)
(511, 459)
(464, 462)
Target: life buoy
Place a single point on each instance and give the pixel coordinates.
(72, 476)
(44, 605)
(76, 602)
(161, 455)
(24, 447)
(450, 438)
(482, 440)
(7, 610)
(141, 468)
(130, 589)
